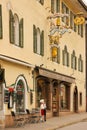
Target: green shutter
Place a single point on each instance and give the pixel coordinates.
(81, 65)
(71, 60)
(52, 6)
(42, 43)
(67, 59)
(34, 39)
(63, 55)
(11, 26)
(21, 30)
(82, 30)
(75, 62)
(57, 6)
(0, 22)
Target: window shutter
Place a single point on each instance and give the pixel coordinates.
(0, 22)
(42, 43)
(81, 65)
(21, 36)
(34, 39)
(67, 59)
(71, 60)
(75, 63)
(82, 30)
(11, 26)
(57, 6)
(63, 55)
(52, 6)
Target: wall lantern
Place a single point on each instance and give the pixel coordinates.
(54, 52)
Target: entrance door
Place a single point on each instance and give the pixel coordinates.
(55, 99)
(75, 100)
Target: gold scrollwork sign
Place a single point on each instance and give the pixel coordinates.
(79, 20)
(54, 39)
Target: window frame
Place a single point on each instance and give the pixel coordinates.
(65, 55)
(73, 60)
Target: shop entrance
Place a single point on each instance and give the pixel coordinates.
(75, 100)
(43, 92)
(55, 99)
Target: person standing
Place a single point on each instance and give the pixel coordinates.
(42, 109)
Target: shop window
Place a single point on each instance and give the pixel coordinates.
(20, 100)
(80, 64)
(0, 22)
(15, 29)
(73, 61)
(38, 41)
(64, 96)
(55, 6)
(65, 55)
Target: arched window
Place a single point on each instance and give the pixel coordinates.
(80, 63)
(65, 56)
(16, 30)
(20, 102)
(73, 61)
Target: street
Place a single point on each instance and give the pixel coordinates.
(78, 126)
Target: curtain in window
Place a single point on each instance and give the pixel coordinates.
(0, 21)
(11, 26)
(21, 33)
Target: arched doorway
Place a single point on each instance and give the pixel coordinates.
(75, 99)
(20, 101)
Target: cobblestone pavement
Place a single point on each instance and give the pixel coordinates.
(54, 122)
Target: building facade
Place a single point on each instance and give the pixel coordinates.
(42, 55)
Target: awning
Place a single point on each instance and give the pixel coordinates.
(55, 75)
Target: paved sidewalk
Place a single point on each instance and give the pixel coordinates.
(54, 122)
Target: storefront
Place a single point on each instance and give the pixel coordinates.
(54, 88)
